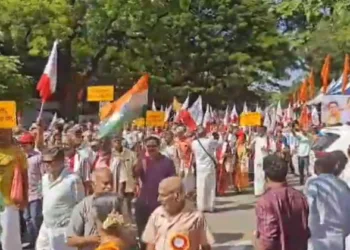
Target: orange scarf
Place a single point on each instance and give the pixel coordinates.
(109, 246)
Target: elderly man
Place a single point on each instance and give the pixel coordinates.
(204, 150)
(11, 157)
(61, 192)
(82, 231)
(186, 227)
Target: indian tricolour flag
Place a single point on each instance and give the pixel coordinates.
(127, 108)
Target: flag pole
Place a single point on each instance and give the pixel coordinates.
(41, 111)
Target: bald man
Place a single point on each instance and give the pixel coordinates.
(82, 231)
(186, 227)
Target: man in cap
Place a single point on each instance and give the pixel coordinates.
(33, 213)
(11, 157)
(61, 192)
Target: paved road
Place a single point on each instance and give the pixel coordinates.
(234, 221)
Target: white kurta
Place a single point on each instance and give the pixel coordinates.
(206, 172)
(11, 232)
(259, 175)
(329, 217)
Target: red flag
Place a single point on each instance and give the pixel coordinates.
(186, 119)
(47, 83)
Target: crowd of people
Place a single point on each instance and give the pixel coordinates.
(149, 188)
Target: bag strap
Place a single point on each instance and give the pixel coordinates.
(210, 156)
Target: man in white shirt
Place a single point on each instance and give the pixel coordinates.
(303, 152)
(61, 192)
(204, 150)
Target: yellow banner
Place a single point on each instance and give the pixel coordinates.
(140, 122)
(8, 114)
(250, 119)
(100, 93)
(155, 118)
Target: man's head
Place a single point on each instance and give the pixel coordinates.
(275, 168)
(118, 142)
(180, 131)
(54, 158)
(171, 194)
(333, 107)
(77, 136)
(102, 180)
(261, 130)
(201, 132)
(152, 145)
(27, 141)
(168, 136)
(325, 165)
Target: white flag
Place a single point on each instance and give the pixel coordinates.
(196, 111)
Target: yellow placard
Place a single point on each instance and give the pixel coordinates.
(8, 114)
(100, 93)
(250, 119)
(140, 122)
(155, 118)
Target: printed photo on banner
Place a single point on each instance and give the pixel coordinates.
(336, 109)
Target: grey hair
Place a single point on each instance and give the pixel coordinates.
(104, 204)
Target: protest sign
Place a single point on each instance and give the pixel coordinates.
(100, 93)
(8, 114)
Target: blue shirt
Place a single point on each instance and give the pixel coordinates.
(59, 198)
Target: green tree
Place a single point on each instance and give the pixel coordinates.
(213, 47)
(13, 85)
(318, 28)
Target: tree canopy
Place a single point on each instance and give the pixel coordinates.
(213, 47)
(317, 28)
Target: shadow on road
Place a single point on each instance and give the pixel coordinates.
(221, 238)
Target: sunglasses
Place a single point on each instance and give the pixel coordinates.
(151, 146)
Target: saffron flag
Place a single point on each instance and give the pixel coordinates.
(126, 109)
(48, 81)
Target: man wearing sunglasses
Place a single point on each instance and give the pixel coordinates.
(62, 190)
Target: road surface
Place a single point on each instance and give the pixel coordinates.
(234, 222)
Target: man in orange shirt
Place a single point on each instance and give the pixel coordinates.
(183, 146)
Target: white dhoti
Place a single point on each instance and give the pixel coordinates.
(52, 239)
(11, 231)
(259, 178)
(189, 180)
(206, 185)
(295, 163)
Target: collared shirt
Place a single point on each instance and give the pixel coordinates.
(128, 160)
(36, 170)
(329, 218)
(60, 197)
(153, 172)
(204, 150)
(282, 219)
(82, 221)
(161, 228)
(304, 145)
